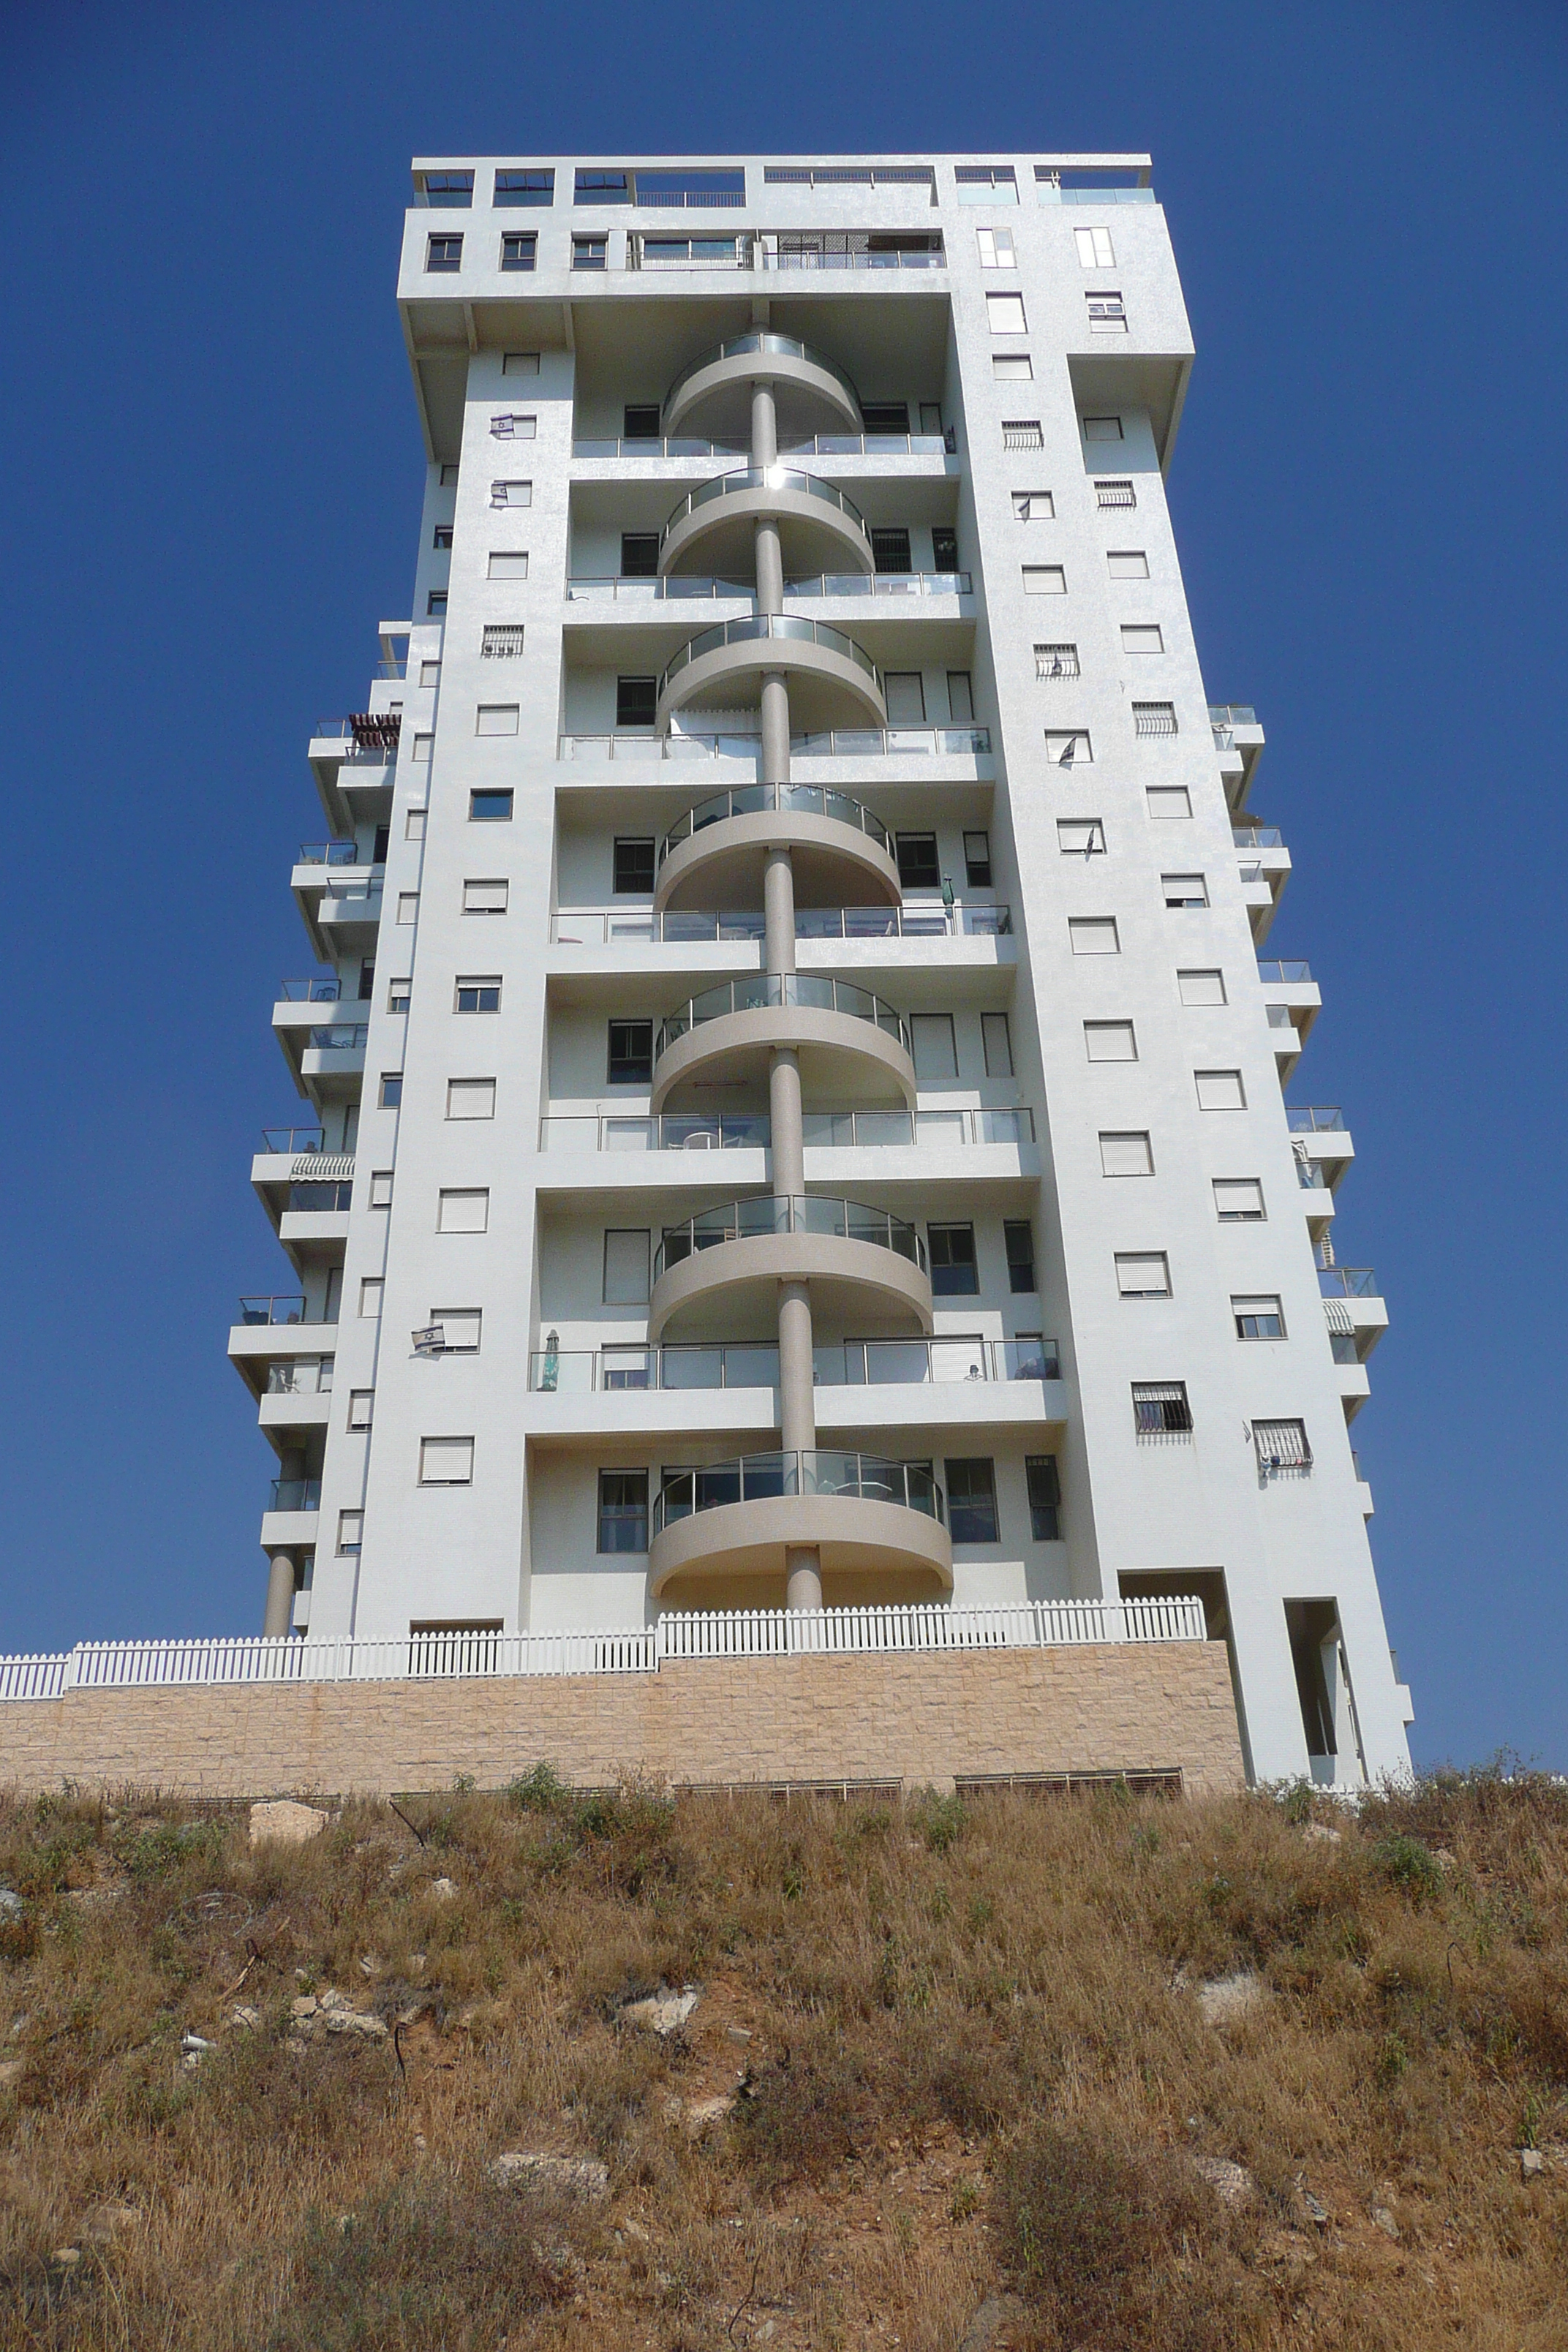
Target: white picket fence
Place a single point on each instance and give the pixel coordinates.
(708, 1633)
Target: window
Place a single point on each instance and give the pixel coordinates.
(1044, 1483)
(997, 1041)
(987, 183)
(959, 696)
(1005, 313)
(489, 808)
(1281, 1445)
(502, 641)
(626, 1268)
(1238, 1201)
(350, 1530)
(997, 249)
(508, 563)
(1201, 987)
(1055, 661)
(891, 549)
(977, 861)
(954, 1270)
(429, 673)
(1102, 428)
(1019, 1236)
(441, 538)
(1110, 1041)
(519, 249)
(623, 1510)
(408, 907)
(918, 866)
(381, 1188)
(477, 995)
(496, 719)
(470, 1098)
(460, 1210)
(1142, 637)
(904, 690)
(972, 1502)
(435, 605)
(935, 1053)
(1126, 1152)
(460, 1329)
(630, 1053)
(1183, 890)
(510, 427)
(1094, 935)
(1128, 563)
(1012, 367)
(1220, 1090)
(1045, 580)
(511, 494)
(1034, 506)
(448, 478)
(1107, 314)
(519, 364)
(1022, 432)
(639, 554)
(1160, 1409)
(391, 1089)
(1169, 800)
(484, 898)
(1143, 1273)
(944, 547)
(536, 187)
(1080, 836)
(445, 1462)
(885, 416)
(362, 1403)
(588, 252)
(1094, 248)
(444, 253)
(637, 702)
(370, 1291)
(1069, 747)
(634, 866)
(1259, 1318)
(640, 421)
(399, 995)
(1154, 718)
(443, 188)
(1115, 494)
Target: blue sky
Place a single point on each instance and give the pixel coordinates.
(212, 476)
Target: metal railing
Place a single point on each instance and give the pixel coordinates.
(860, 1131)
(309, 992)
(780, 628)
(756, 800)
(812, 444)
(1315, 1118)
(830, 743)
(677, 588)
(843, 1131)
(374, 734)
(765, 477)
(328, 853)
(579, 927)
(765, 344)
(856, 1363)
(344, 1038)
(767, 1215)
(1348, 1282)
(816, 1470)
(777, 249)
(958, 921)
(678, 1637)
(807, 990)
(295, 1495)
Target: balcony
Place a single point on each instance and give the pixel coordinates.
(1239, 747)
(838, 1130)
(295, 1495)
(673, 447)
(686, 587)
(718, 383)
(1348, 1282)
(857, 1364)
(584, 926)
(866, 1516)
(816, 522)
(720, 846)
(788, 249)
(855, 1257)
(1263, 874)
(829, 675)
(830, 743)
(846, 1036)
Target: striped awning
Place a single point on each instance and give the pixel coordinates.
(335, 1167)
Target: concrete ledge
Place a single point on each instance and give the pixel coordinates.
(915, 1717)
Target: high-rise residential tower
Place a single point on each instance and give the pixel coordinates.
(793, 1107)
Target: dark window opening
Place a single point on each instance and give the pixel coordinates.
(954, 1270)
(602, 188)
(443, 188)
(366, 978)
(634, 868)
(1045, 1497)
(891, 549)
(918, 866)
(1160, 1409)
(944, 549)
(435, 605)
(1020, 1238)
(640, 422)
(524, 188)
(442, 536)
(637, 702)
(489, 808)
(977, 860)
(885, 416)
(630, 1057)
(623, 1510)
(972, 1502)
(639, 555)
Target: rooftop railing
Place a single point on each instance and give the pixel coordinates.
(856, 1363)
(776, 628)
(757, 800)
(819, 1470)
(764, 478)
(1315, 1118)
(834, 1130)
(832, 743)
(811, 991)
(804, 1213)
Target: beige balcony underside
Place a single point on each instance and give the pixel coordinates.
(807, 397)
(835, 865)
(815, 535)
(842, 1058)
(855, 1538)
(705, 1294)
(825, 687)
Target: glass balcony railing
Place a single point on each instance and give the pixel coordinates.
(804, 1213)
(320, 1200)
(344, 1037)
(578, 927)
(766, 991)
(772, 628)
(757, 1477)
(1257, 836)
(856, 1363)
(679, 588)
(309, 992)
(328, 853)
(764, 344)
(287, 1308)
(765, 477)
(1348, 1282)
(830, 743)
(860, 1131)
(755, 800)
(1315, 1118)
(1276, 971)
(300, 1376)
(280, 1139)
(295, 1495)
(843, 1131)
(815, 445)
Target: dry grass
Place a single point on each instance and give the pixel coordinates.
(970, 2058)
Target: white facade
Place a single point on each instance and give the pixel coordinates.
(988, 798)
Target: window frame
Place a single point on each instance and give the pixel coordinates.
(1042, 1471)
(1017, 1263)
(948, 1263)
(624, 1512)
(977, 1477)
(642, 1075)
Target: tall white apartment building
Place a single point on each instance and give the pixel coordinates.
(792, 1107)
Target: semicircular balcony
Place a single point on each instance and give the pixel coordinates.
(820, 530)
(878, 1527)
(832, 682)
(852, 1046)
(725, 1262)
(839, 851)
(714, 391)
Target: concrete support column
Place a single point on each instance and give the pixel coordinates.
(797, 1404)
(770, 568)
(775, 728)
(784, 1117)
(764, 427)
(279, 1614)
(803, 1577)
(778, 911)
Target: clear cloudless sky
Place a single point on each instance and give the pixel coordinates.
(211, 475)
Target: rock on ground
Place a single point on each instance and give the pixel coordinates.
(1224, 1999)
(280, 1821)
(1231, 2183)
(663, 2010)
(520, 2168)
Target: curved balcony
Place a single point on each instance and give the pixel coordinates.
(720, 847)
(849, 1041)
(718, 385)
(830, 677)
(851, 1254)
(818, 524)
(866, 1515)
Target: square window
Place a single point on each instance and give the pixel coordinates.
(370, 1292)
(997, 249)
(1238, 1201)
(1107, 314)
(423, 747)
(496, 719)
(350, 1531)
(519, 249)
(1115, 494)
(1102, 428)
(1180, 891)
(448, 478)
(477, 995)
(1080, 836)
(445, 1462)
(398, 993)
(1142, 637)
(1094, 935)
(1169, 800)
(1012, 367)
(977, 861)
(444, 253)
(519, 364)
(1160, 1409)
(1045, 580)
(1143, 1273)
(1110, 1041)
(463, 1210)
(460, 1327)
(589, 252)
(1128, 563)
(1281, 1445)
(1128, 1152)
(627, 1267)
(486, 897)
(489, 808)
(1201, 987)
(935, 1053)
(1019, 1236)
(448, 188)
(407, 907)
(470, 1098)
(637, 702)
(507, 563)
(501, 641)
(1022, 432)
(1055, 661)
(381, 1188)
(429, 673)
(414, 825)
(441, 538)
(1069, 747)
(918, 866)
(959, 696)
(1094, 249)
(623, 1511)
(1034, 506)
(1260, 1318)
(391, 1089)
(904, 690)
(971, 1501)
(640, 421)
(511, 494)
(1154, 718)
(996, 1039)
(954, 1270)
(511, 427)
(1044, 1482)
(634, 866)
(532, 187)
(639, 554)
(435, 605)
(629, 1061)
(361, 1403)
(1220, 1090)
